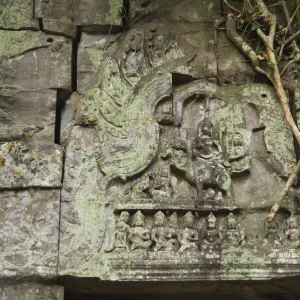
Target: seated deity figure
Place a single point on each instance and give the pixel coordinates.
(293, 233)
(272, 237)
(160, 235)
(139, 236)
(204, 145)
(232, 235)
(211, 238)
(119, 238)
(188, 237)
(160, 186)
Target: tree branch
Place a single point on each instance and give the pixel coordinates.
(239, 42)
(292, 37)
(283, 193)
(256, 9)
(289, 21)
(296, 59)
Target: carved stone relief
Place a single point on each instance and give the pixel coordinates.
(160, 161)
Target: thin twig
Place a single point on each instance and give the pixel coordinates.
(296, 59)
(293, 36)
(283, 193)
(231, 7)
(289, 22)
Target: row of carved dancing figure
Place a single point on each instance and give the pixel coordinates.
(167, 235)
(170, 237)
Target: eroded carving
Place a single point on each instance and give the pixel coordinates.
(211, 238)
(232, 235)
(139, 235)
(292, 233)
(119, 239)
(188, 237)
(163, 237)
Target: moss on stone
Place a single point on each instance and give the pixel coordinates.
(18, 15)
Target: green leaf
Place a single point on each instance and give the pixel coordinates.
(271, 65)
(297, 15)
(255, 26)
(260, 51)
(299, 67)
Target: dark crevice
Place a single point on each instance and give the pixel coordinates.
(126, 16)
(62, 96)
(74, 58)
(222, 7)
(41, 24)
(20, 29)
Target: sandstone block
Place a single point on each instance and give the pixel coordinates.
(34, 61)
(60, 26)
(27, 115)
(31, 291)
(25, 165)
(18, 14)
(29, 233)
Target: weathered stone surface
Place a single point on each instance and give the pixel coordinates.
(34, 60)
(27, 115)
(91, 14)
(174, 152)
(277, 136)
(53, 9)
(155, 158)
(82, 223)
(233, 67)
(60, 26)
(163, 43)
(92, 51)
(18, 14)
(31, 291)
(25, 165)
(29, 233)
(191, 11)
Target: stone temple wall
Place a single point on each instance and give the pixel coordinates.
(138, 145)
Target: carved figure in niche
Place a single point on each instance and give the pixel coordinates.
(188, 237)
(212, 195)
(204, 145)
(139, 236)
(205, 171)
(272, 237)
(161, 235)
(160, 188)
(232, 234)
(172, 233)
(119, 238)
(292, 233)
(237, 157)
(211, 238)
